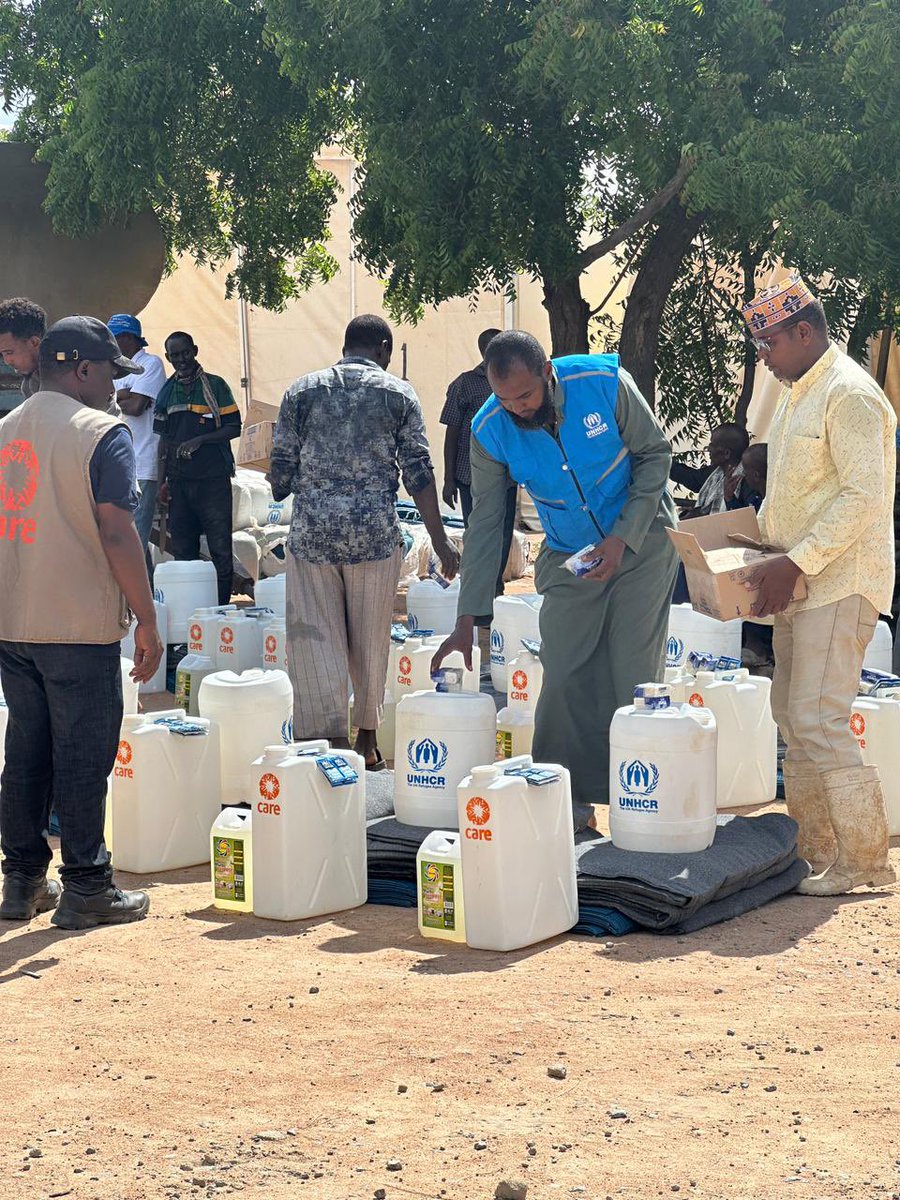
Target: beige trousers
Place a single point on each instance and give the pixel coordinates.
(339, 624)
(818, 657)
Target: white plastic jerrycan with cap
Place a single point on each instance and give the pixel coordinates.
(431, 605)
(439, 887)
(880, 651)
(203, 629)
(515, 618)
(875, 723)
(166, 792)
(231, 859)
(240, 639)
(441, 736)
(746, 733)
(690, 630)
(518, 854)
(157, 683)
(252, 711)
(309, 831)
(525, 677)
(662, 774)
(515, 732)
(184, 587)
(189, 674)
(413, 663)
(270, 593)
(274, 653)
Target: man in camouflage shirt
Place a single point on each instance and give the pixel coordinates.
(345, 437)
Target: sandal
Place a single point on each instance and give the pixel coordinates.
(379, 764)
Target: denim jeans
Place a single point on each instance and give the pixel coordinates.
(144, 513)
(198, 506)
(509, 523)
(65, 713)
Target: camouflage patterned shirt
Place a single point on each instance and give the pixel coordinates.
(345, 437)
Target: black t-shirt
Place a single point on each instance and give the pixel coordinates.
(181, 413)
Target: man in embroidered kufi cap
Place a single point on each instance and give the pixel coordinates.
(828, 504)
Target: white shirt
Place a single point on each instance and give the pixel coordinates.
(146, 442)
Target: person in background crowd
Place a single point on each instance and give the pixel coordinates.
(196, 419)
(71, 566)
(828, 505)
(22, 325)
(465, 396)
(727, 444)
(577, 433)
(752, 489)
(345, 436)
(136, 397)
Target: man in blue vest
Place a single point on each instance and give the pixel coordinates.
(579, 436)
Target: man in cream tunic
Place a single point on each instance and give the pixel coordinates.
(829, 504)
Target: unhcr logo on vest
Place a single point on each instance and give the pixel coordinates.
(595, 425)
(639, 781)
(427, 759)
(674, 651)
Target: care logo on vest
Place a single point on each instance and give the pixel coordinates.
(595, 425)
(674, 651)
(427, 759)
(638, 781)
(19, 475)
(857, 724)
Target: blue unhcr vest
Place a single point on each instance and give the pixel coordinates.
(579, 483)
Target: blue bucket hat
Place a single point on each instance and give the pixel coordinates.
(125, 323)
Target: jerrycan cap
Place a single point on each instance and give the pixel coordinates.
(448, 679)
(486, 774)
(652, 696)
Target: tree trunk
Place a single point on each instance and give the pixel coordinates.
(750, 257)
(569, 313)
(656, 274)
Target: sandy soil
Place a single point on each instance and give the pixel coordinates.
(203, 1053)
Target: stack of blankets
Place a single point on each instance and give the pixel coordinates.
(753, 860)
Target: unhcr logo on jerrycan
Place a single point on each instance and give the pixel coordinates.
(497, 646)
(426, 759)
(638, 781)
(674, 652)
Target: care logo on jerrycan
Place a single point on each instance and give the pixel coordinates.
(478, 813)
(638, 781)
(674, 652)
(269, 790)
(195, 634)
(124, 755)
(497, 646)
(404, 669)
(427, 759)
(520, 686)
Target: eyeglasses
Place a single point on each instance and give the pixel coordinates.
(765, 344)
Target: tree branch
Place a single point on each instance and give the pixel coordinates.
(639, 219)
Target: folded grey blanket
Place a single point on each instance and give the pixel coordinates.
(663, 890)
(392, 848)
(379, 794)
(744, 901)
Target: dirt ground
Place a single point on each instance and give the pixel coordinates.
(202, 1053)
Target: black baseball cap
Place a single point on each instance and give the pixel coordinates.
(74, 338)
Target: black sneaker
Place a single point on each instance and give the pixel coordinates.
(25, 898)
(111, 907)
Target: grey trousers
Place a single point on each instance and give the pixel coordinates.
(339, 624)
(597, 642)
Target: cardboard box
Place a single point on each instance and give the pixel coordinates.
(255, 446)
(719, 554)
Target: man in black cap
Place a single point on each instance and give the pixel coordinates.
(71, 568)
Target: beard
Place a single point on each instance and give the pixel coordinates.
(541, 416)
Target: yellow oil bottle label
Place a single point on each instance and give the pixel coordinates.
(504, 743)
(229, 881)
(438, 887)
(182, 690)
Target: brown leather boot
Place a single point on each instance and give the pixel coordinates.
(859, 818)
(804, 796)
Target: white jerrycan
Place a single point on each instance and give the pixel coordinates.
(747, 735)
(515, 731)
(252, 711)
(157, 682)
(271, 593)
(875, 723)
(240, 639)
(275, 645)
(189, 674)
(309, 831)
(165, 792)
(184, 587)
(880, 651)
(525, 677)
(439, 887)
(515, 618)
(129, 687)
(413, 661)
(441, 736)
(690, 630)
(231, 862)
(518, 855)
(662, 774)
(431, 606)
(680, 681)
(203, 629)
